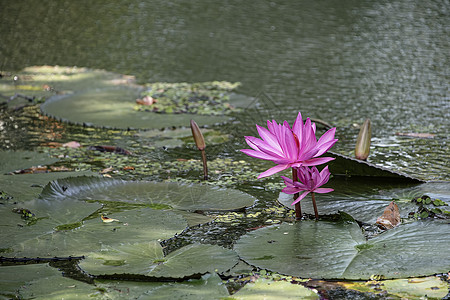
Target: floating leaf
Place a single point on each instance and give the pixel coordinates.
(330, 250)
(196, 258)
(17, 160)
(186, 197)
(25, 187)
(146, 258)
(135, 225)
(362, 198)
(343, 165)
(413, 288)
(269, 289)
(210, 286)
(126, 258)
(58, 287)
(13, 277)
(17, 234)
(429, 287)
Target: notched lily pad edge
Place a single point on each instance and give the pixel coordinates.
(383, 172)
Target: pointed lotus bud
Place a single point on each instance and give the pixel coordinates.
(362, 148)
(198, 136)
(200, 142)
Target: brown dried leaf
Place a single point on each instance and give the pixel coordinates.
(390, 217)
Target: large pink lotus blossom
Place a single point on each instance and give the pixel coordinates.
(309, 181)
(290, 147)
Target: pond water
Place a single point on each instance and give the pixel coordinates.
(338, 61)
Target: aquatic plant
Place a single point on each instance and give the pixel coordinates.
(309, 181)
(290, 147)
(200, 143)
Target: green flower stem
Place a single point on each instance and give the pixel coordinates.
(315, 206)
(298, 209)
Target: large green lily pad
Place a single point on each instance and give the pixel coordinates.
(18, 233)
(16, 160)
(348, 166)
(185, 197)
(196, 258)
(25, 187)
(133, 226)
(13, 277)
(146, 258)
(273, 290)
(210, 286)
(339, 250)
(365, 199)
(431, 287)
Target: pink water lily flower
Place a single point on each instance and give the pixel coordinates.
(290, 147)
(309, 181)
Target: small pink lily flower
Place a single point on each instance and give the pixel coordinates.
(290, 147)
(309, 181)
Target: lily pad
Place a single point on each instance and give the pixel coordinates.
(25, 187)
(58, 287)
(128, 258)
(17, 160)
(431, 287)
(17, 234)
(268, 289)
(186, 197)
(13, 277)
(210, 286)
(114, 108)
(133, 226)
(348, 166)
(196, 258)
(338, 250)
(146, 258)
(364, 199)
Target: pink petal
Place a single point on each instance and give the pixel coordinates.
(326, 141)
(325, 147)
(273, 170)
(317, 161)
(291, 190)
(258, 154)
(263, 146)
(251, 142)
(290, 146)
(323, 190)
(297, 128)
(269, 138)
(287, 180)
(300, 198)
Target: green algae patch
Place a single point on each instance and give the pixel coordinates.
(206, 98)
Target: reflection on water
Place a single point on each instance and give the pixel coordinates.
(340, 61)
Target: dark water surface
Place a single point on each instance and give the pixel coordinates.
(340, 61)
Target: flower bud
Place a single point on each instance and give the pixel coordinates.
(198, 136)
(362, 148)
